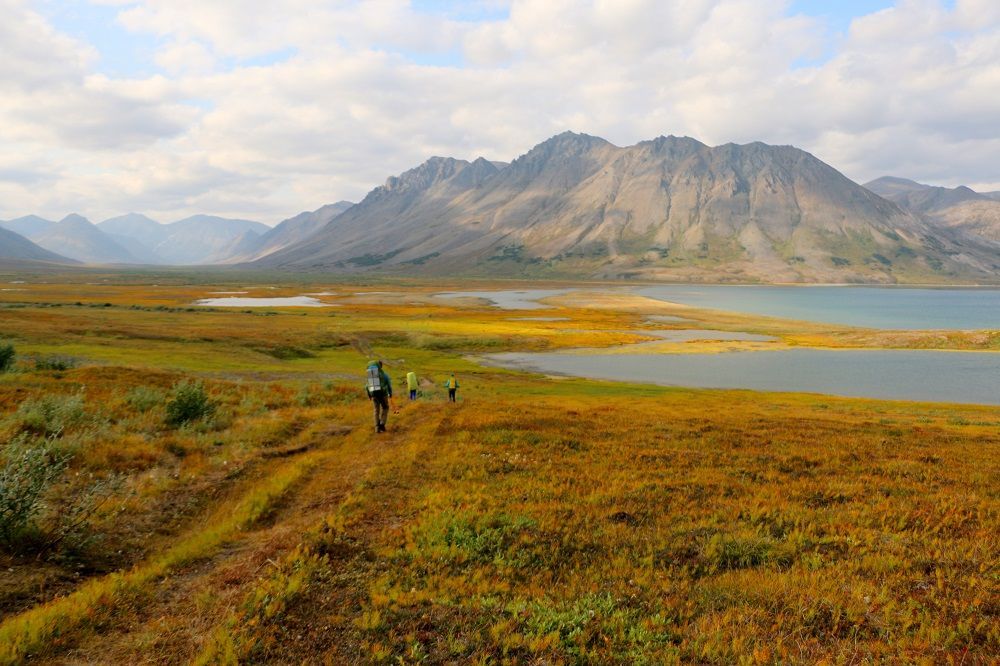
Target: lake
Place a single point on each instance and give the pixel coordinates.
(936, 376)
(871, 307)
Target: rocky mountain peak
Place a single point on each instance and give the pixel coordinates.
(434, 170)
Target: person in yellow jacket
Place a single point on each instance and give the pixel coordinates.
(452, 386)
(411, 383)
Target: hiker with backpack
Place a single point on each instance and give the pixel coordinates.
(412, 384)
(379, 390)
(452, 386)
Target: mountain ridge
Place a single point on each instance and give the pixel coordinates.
(576, 205)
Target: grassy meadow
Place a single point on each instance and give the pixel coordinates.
(185, 484)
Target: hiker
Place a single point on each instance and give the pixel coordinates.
(379, 389)
(452, 386)
(411, 383)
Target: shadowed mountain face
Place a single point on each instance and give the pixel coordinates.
(974, 214)
(576, 205)
(17, 247)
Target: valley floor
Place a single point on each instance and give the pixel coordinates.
(536, 520)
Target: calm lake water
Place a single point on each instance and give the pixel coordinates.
(873, 307)
(963, 377)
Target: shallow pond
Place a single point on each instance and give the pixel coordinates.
(285, 302)
(524, 299)
(964, 377)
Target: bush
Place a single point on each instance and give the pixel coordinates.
(189, 403)
(7, 356)
(144, 398)
(57, 363)
(50, 414)
(29, 471)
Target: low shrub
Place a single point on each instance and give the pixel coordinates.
(25, 477)
(189, 402)
(7, 356)
(144, 398)
(56, 363)
(50, 414)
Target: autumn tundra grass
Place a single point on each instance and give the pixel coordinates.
(197, 485)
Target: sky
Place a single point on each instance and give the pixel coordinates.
(264, 109)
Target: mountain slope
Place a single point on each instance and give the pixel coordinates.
(75, 237)
(204, 239)
(289, 232)
(973, 214)
(16, 246)
(138, 234)
(576, 205)
(135, 225)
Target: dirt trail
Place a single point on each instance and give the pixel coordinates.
(318, 626)
(170, 623)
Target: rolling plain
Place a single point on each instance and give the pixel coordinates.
(538, 520)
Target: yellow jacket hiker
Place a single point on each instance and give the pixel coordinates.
(411, 383)
(452, 386)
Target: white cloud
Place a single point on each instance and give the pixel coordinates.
(186, 57)
(265, 112)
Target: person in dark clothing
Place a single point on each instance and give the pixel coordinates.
(379, 389)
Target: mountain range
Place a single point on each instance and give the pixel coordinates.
(670, 208)
(960, 208)
(577, 206)
(137, 239)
